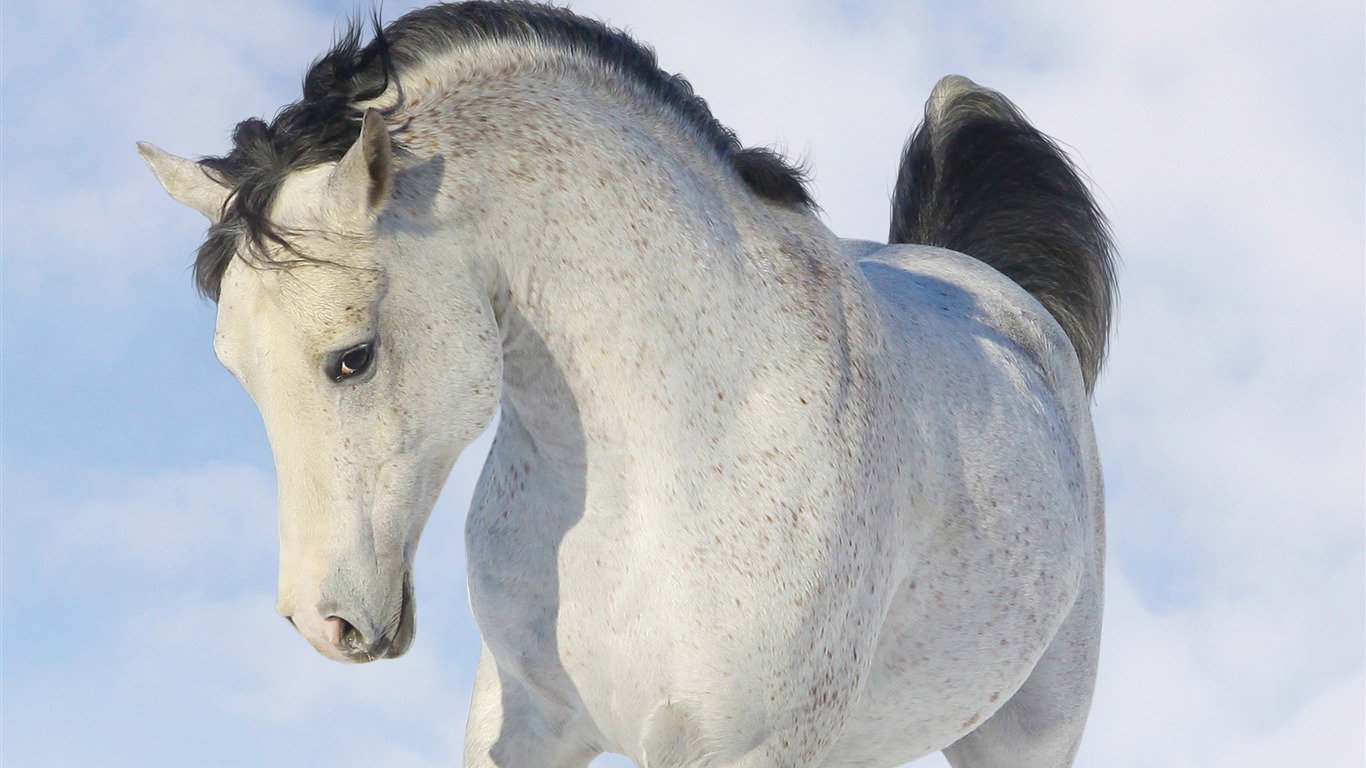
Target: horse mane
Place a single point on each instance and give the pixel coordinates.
(326, 121)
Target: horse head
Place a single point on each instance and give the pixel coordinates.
(369, 388)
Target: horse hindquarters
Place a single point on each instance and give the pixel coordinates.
(978, 178)
(1041, 725)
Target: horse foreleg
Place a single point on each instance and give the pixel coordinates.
(1040, 726)
(510, 728)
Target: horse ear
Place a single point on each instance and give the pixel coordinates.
(361, 182)
(187, 181)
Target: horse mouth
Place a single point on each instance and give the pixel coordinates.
(397, 636)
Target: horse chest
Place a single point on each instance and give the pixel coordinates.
(623, 614)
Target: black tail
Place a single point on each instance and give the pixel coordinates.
(977, 178)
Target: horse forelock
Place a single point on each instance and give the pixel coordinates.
(326, 121)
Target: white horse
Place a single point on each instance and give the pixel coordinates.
(758, 496)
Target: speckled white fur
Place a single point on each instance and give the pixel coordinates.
(758, 497)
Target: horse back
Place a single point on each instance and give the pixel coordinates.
(981, 361)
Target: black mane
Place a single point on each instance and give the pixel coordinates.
(325, 123)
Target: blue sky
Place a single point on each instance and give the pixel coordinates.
(1226, 142)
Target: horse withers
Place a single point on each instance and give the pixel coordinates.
(758, 496)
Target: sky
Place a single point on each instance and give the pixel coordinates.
(1225, 140)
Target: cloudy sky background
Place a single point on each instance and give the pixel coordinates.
(1226, 142)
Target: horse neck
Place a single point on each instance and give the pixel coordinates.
(637, 297)
(638, 284)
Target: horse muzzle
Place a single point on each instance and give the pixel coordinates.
(343, 634)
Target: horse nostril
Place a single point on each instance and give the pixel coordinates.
(350, 637)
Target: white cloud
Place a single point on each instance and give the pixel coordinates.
(1190, 689)
(162, 525)
(89, 79)
(141, 630)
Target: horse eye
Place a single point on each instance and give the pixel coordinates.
(352, 362)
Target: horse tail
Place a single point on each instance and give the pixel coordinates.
(977, 178)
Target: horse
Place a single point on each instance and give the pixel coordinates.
(758, 496)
